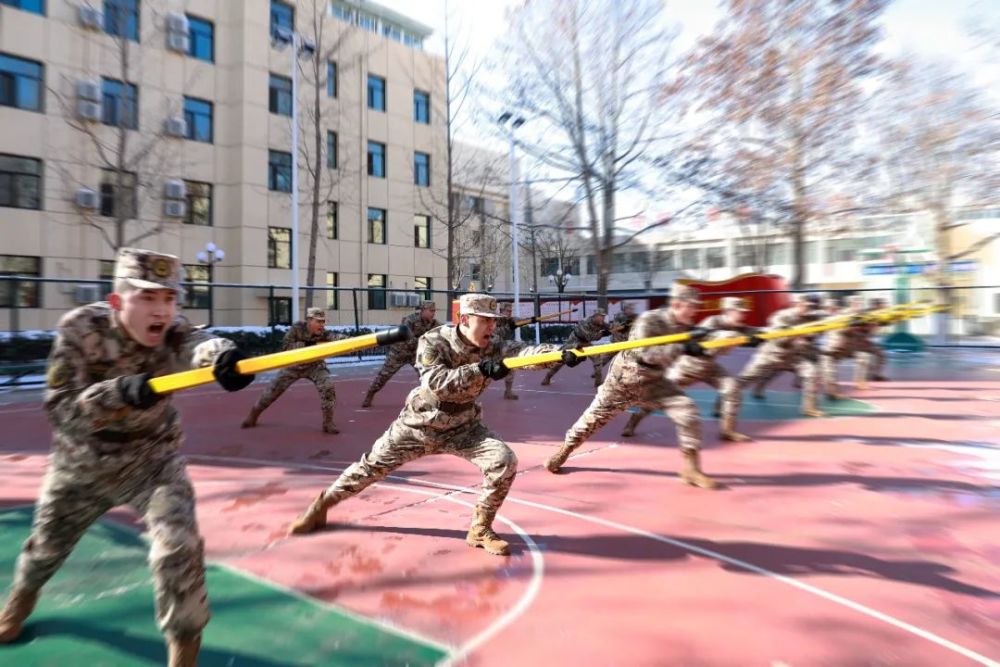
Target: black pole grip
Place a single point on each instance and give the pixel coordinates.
(390, 336)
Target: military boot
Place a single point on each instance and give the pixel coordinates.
(809, 408)
(19, 606)
(717, 407)
(312, 519)
(508, 392)
(328, 425)
(879, 378)
(367, 403)
(556, 461)
(183, 652)
(633, 421)
(481, 534)
(691, 472)
(758, 393)
(547, 380)
(251, 419)
(728, 430)
(836, 396)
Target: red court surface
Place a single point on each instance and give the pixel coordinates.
(861, 540)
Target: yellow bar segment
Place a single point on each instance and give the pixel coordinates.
(549, 357)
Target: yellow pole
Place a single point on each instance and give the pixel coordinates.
(167, 384)
(549, 357)
(521, 323)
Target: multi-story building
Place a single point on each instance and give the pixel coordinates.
(203, 90)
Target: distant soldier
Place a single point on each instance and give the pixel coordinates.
(442, 416)
(840, 344)
(117, 442)
(507, 345)
(303, 334)
(403, 353)
(584, 334)
(638, 378)
(870, 358)
(621, 323)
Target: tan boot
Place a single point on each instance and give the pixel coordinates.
(183, 652)
(691, 472)
(729, 433)
(633, 421)
(836, 396)
(556, 461)
(328, 425)
(312, 519)
(251, 419)
(19, 606)
(861, 386)
(367, 403)
(481, 534)
(509, 394)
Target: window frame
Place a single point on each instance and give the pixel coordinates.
(18, 4)
(332, 221)
(427, 289)
(421, 220)
(419, 169)
(279, 99)
(331, 149)
(273, 24)
(190, 197)
(377, 158)
(197, 36)
(189, 132)
(331, 79)
(197, 296)
(123, 100)
(377, 94)
(372, 236)
(275, 244)
(16, 177)
(377, 294)
(134, 11)
(332, 295)
(423, 104)
(275, 171)
(110, 184)
(15, 88)
(29, 294)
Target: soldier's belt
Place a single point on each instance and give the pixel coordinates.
(166, 384)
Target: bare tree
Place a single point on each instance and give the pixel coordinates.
(778, 90)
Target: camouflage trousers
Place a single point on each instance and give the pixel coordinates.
(870, 358)
(714, 375)
(70, 502)
(319, 375)
(624, 389)
(400, 444)
(828, 369)
(597, 360)
(393, 362)
(768, 364)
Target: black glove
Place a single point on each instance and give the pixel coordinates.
(753, 340)
(570, 359)
(697, 333)
(136, 392)
(693, 348)
(857, 322)
(225, 371)
(493, 369)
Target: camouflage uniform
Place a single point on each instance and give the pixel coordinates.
(837, 345)
(298, 336)
(638, 378)
(870, 356)
(507, 347)
(441, 416)
(796, 354)
(403, 353)
(106, 453)
(583, 334)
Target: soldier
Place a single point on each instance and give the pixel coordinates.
(840, 344)
(689, 370)
(442, 416)
(507, 345)
(638, 377)
(870, 358)
(302, 334)
(796, 354)
(403, 353)
(621, 324)
(583, 334)
(115, 441)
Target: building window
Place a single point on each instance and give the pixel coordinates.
(376, 290)
(332, 296)
(377, 225)
(118, 204)
(423, 286)
(421, 107)
(21, 83)
(279, 95)
(198, 116)
(376, 159)
(198, 296)
(591, 265)
(279, 310)
(279, 171)
(422, 231)
(475, 272)
(548, 266)
(201, 39)
(368, 22)
(120, 104)
(376, 93)
(106, 270)
(747, 254)
(690, 258)
(199, 203)
(638, 262)
(20, 182)
(421, 168)
(331, 79)
(776, 253)
(27, 294)
(666, 260)
(121, 18)
(331, 150)
(332, 224)
(282, 16)
(715, 257)
(35, 6)
(279, 248)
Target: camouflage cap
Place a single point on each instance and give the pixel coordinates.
(686, 293)
(483, 305)
(427, 303)
(316, 314)
(146, 269)
(599, 311)
(736, 303)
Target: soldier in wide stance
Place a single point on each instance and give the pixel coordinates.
(507, 345)
(583, 334)
(442, 416)
(302, 334)
(403, 353)
(116, 442)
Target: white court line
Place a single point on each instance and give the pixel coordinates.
(693, 548)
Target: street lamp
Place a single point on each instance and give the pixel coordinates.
(301, 46)
(209, 256)
(508, 121)
(560, 280)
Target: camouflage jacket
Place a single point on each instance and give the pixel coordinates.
(418, 327)
(450, 380)
(621, 325)
(656, 358)
(720, 323)
(840, 342)
(586, 332)
(505, 328)
(788, 318)
(83, 398)
(298, 336)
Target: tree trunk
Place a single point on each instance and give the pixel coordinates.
(945, 296)
(317, 177)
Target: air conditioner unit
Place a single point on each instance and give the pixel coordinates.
(413, 300)
(177, 23)
(91, 17)
(88, 110)
(398, 299)
(87, 199)
(88, 90)
(174, 209)
(177, 41)
(87, 293)
(176, 126)
(174, 189)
